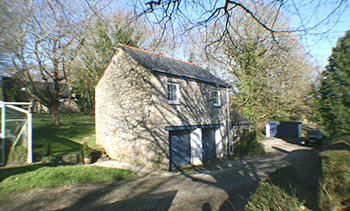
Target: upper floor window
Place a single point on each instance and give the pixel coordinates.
(216, 98)
(173, 93)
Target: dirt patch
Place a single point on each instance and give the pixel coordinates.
(225, 186)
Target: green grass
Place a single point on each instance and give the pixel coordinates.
(288, 179)
(92, 143)
(334, 193)
(284, 190)
(342, 140)
(269, 197)
(63, 139)
(39, 176)
(288, 190)
(4, 173)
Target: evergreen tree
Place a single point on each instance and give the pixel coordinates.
(11, 91)
(333, 95)
(94, 60)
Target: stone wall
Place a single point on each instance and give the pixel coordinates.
(132, 111)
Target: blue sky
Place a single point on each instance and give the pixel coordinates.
(321, 39)
(304, 14)
(322, 48)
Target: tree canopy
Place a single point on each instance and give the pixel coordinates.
(333, 93)
(98, 51)
(270, 80)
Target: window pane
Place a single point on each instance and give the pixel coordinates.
(169, 91)
(172, 90)
(215, 97)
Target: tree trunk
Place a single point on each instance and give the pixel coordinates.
(55, 117)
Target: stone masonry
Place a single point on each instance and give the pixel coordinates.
(132, 111)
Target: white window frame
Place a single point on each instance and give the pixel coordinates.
(218, 103)
(177, 93)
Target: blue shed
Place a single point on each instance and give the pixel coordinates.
(283, 129)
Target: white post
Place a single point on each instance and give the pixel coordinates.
(196, 147)
(267, 132)
(3, 131)
(228, 123)
(30, 142)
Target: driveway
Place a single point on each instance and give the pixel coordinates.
(224, 186)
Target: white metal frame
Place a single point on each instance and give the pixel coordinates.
(11, 105)
(177, 93)
(216, 95)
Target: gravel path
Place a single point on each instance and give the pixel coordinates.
(224, 186)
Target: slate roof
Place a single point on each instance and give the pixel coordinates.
(238, 119)
(170, 66)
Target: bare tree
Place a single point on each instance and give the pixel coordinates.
(270, 79)
(311, 17)
(45, 40)
(8, 16)
(99, 48)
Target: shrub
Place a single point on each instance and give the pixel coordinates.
(270, 197)
(288, 179)
(341, 139)
(249, 145)
(334, 193)
(158, 160)
(48, 150)
(86, 151)
(50, 160)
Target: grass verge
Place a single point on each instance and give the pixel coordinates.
(39, 176)
(270, 197)
(334, 193)
(288, 179)
(284, 190)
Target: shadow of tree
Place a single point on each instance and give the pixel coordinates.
(226, 185)
(141, 199)
(9, 171)
(59, 145)
(150, 201)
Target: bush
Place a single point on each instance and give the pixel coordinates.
(249, 145)
(334, 193)
(50, 160)
(86, 151)
(288, 179)
(342, 140)
(270, 197)
(15, 154)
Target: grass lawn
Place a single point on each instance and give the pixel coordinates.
(92, 143)
(40, 176)
(63, 139)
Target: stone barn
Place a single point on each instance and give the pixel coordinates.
(159, 112)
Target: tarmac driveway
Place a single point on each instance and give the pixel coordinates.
(224, 186)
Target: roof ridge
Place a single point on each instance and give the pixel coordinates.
(158, 54)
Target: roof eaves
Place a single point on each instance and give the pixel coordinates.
(189, 78)
(149, 52)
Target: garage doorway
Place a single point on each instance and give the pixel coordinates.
(180, 154)
(208, 144)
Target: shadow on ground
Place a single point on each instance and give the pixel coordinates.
(226, 185)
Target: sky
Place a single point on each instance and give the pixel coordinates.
(323, 38)
(323, 28)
